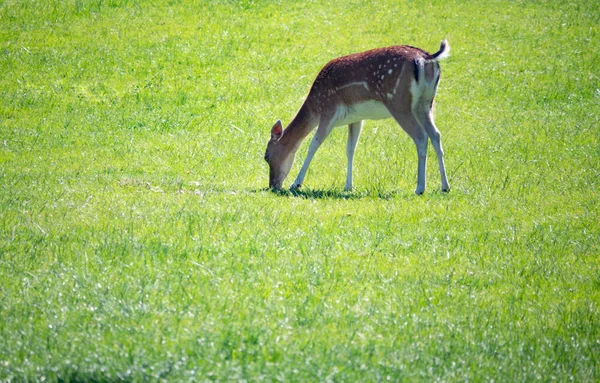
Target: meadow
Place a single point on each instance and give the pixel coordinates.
(139, 241)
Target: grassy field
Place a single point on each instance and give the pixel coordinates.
(138, 241)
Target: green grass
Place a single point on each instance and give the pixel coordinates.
(138, 241)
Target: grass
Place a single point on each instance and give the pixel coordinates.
(138, 241)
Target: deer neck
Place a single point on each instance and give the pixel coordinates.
(299, 128)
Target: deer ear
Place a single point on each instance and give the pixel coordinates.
(277, 131)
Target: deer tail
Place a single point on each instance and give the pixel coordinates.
(441, 54)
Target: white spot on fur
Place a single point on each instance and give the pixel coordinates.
(390, 71)
(397, 83)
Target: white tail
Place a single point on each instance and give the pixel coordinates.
(399, 82)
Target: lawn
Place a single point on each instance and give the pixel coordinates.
(139, 242)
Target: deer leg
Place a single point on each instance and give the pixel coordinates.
(425, 118)
(412, 127)
(353, 135)
(421, 142)
(325, 127)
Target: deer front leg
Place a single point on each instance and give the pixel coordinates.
(353, 135)
(325, 127)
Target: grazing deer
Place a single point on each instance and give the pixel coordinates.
(398, 81)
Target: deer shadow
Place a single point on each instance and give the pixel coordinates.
(335, 194)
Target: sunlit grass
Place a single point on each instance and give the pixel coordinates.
(138, 241)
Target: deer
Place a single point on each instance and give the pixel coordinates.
(398, 81)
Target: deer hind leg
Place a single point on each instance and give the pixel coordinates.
(419, 136)
(325, 127)
(411, 126)
(424, 115)
(354, 130)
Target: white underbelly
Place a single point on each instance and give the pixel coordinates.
(368, 110)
